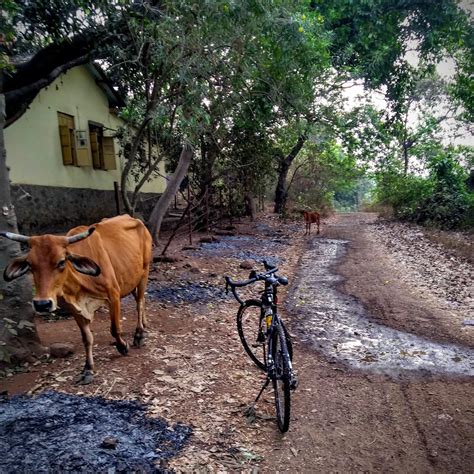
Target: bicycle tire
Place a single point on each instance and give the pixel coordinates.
(248, 326)
(281, 378)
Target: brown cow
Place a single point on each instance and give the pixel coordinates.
(311, 218)
(85, 269)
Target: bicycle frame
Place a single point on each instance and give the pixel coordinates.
(269, 301)
(269, 309)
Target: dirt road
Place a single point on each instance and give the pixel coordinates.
(381, 405)
(384, 361)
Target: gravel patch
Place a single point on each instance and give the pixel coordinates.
(428, 266)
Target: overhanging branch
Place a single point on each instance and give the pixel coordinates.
(21, 86)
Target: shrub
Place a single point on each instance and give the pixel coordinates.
(448, 206)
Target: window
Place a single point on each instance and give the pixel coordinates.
(74, 146)
(102, 148)
(85, 147)
(66, 136)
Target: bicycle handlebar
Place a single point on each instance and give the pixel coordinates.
(269, 277)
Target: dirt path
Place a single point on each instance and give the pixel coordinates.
(350, 414)
(384, 362)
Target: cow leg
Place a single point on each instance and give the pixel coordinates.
(141, 323)
(116, 323)
(318, 225)
(87, 374)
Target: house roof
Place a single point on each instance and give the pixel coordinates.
(115, 98)
(16, 106)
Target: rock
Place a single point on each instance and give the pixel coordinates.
(247, 265)
(189, 247)
(165, 259)
(206, 240)
(192, 269)
(225, 232)
(109, 443)
(60, 350)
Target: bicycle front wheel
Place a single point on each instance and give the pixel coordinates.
(281, 378)
(251, 329)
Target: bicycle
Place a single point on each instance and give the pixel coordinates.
(266, 340)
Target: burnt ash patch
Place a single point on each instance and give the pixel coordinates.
(58, 432)
(246, 248)
(186, 292)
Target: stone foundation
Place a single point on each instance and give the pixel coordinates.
(43, 209)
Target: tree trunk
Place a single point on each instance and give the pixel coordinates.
(18, 337)
(405, 158)
(161, 207)
(129, 164)
(250, 205)
(281, 192)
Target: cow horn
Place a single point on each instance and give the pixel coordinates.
(18, 237)
(81, 236)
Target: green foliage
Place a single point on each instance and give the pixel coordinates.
(438, 200)
(402, 192)
(322, 173)
(448, 204)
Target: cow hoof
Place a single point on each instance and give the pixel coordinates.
(122, 348)
(139, 339)
(85, 378)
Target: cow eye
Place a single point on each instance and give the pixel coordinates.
(61, 264)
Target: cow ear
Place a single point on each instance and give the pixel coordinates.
(84, 265)
(16, 268)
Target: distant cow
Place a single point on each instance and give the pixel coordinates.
(85, 269)
(311, 218)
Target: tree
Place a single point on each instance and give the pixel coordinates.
(370, 41)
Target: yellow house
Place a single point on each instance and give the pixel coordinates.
(63, 155)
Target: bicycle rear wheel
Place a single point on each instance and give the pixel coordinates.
(250, 325)
(281, 378)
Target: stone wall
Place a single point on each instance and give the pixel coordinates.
(43, 209)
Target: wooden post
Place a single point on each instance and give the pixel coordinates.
(207, 209)
(221, 205)
(117, 198)
(190, 218)
(230, 207)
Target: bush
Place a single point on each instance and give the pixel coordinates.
(404, 193)
(449, 204)
(439, 200)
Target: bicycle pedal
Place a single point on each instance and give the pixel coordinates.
(294, 383)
